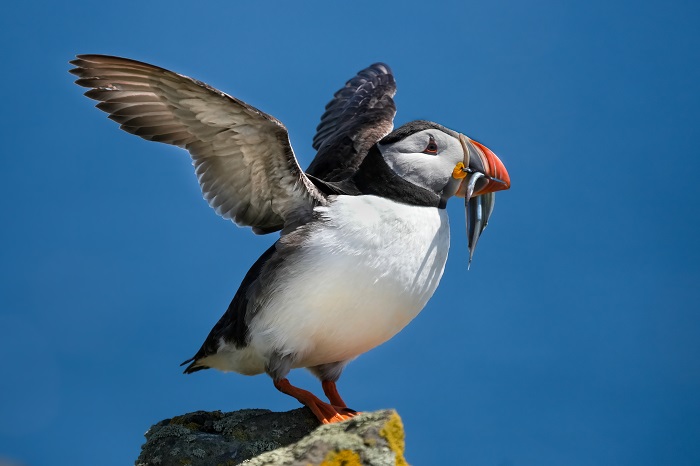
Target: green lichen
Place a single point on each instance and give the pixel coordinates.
(228, 463)
(261, 446)
(370, 442)
(168, 431)
(236, 432)
(184, 421)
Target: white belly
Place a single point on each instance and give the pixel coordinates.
(357, 282)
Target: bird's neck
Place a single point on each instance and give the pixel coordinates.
(375, 177)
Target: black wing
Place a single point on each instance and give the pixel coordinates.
(360, 114)
(243, 158)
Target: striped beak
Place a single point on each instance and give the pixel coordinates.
(485, 171)
(486, 174)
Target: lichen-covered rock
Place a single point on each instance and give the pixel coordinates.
(257, 437)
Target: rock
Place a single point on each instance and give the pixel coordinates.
(257, 437)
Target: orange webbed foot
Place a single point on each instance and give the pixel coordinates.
(331, 414)
(326, 413)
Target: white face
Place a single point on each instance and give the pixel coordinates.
(425, 158)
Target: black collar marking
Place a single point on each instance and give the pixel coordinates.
(375, 177)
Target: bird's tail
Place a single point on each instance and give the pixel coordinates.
(193, 367)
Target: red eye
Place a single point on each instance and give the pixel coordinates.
(431, 148)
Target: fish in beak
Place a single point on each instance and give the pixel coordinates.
(482, 174)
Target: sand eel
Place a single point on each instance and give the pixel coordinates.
(364, 231)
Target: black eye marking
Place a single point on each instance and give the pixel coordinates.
(432, 147)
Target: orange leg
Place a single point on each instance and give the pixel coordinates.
(326, 413)
(332, 393)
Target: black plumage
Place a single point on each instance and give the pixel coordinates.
(359, 115)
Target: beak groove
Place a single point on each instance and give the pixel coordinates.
(491, 166)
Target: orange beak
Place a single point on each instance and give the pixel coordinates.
(480, 159)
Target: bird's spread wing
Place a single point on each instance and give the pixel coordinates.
(243, 158)
(360, 114)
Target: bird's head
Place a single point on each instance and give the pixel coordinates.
(449, 164)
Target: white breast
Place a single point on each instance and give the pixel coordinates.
(359, 279)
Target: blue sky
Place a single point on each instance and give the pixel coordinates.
(574, 339)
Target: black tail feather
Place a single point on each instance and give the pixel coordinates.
(185, 362)
(192, 367)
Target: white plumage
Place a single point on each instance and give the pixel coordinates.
(355, 283)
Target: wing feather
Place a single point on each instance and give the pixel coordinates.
(358, 116)
(243, 159)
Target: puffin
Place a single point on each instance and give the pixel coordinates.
(364, 233)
